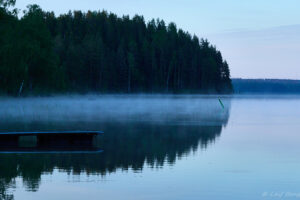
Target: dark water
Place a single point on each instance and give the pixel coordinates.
(158, 147)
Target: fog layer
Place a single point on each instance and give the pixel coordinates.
(192, 110)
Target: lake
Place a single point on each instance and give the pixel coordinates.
(158, 147)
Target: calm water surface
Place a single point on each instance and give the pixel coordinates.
(158, 147)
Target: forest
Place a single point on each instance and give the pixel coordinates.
(100, 52)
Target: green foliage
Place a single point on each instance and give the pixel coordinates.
(5, 6)
(100, 52)
(7, 3)
(27, 56)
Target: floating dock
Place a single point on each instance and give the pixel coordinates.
(49, 142)
(41, 133)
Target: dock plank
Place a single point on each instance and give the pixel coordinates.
(51, 133)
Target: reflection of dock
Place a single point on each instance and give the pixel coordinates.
(50, 142)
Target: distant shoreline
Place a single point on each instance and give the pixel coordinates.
(266, 86)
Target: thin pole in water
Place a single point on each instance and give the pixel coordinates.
(21, 88)
(221, 103)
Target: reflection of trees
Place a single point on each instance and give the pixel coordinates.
(129, 147)
(126, 145)
(4, 184)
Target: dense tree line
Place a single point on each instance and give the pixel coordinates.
(101, 52)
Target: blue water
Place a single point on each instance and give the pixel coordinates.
(158, 147)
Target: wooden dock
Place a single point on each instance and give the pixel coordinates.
(40, 133)
(49, 141)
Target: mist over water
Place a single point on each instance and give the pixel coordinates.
(191, 110)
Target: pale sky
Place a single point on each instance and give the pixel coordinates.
(258, 38)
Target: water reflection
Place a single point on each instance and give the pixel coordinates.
(138, 139)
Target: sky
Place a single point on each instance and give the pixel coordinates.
(258, 38)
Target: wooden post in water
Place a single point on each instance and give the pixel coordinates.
(21, 88)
